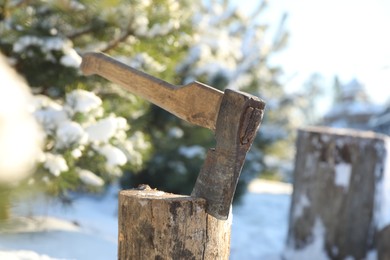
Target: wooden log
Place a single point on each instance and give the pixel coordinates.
(158, 225)
(340, 204)
(383, 244)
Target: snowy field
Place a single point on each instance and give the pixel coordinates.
(88, 229)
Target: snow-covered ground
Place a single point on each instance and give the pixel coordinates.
(260, 223)
(88, 229)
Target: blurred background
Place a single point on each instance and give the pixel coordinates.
(66, 138)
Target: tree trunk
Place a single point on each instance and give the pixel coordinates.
(158, 225)
(340, 204)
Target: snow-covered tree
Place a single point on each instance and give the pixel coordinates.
(87, 138)
(85, 147)
(351, 108)
(44, 38)
(178, 41)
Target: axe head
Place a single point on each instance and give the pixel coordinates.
(238, 120)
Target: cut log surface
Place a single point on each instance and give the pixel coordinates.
(339, 196)
(158, 225)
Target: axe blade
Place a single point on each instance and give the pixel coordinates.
(238, 121)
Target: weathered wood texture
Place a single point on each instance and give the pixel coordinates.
(238, 121)
(195, 102)
(340, 180)
(158, 225)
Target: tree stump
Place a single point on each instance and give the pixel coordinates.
(341, 200)
(158, 225)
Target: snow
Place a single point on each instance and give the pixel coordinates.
(83, 101)
(175, 132)
(192, 151)
(70, 133)
(76, 5)
(385, 220)
(315, 250)
(23, 255)
(36, 224)
(140, 25)
(104, 129)
(90, 178)
(260, 223)
(61, 245)
(93, 236)
(382, 210)
(143, 60)
(50, 117)
(77, 127)
(114, 155)
(269, 187)
(258, 231)
(162, 29)
(353, 108)
(18, 127)
(381, 119)
(343, 175)
(133, 153)
(55, 163)
(372, 255)
(70, 57)
(229, 53)
(299, 208)
(42, 101)
(139, 141)
(271, 160)
(351, 88)
(76, 153)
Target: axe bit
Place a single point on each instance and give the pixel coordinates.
(234, 116)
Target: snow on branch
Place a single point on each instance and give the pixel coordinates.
(84, 142)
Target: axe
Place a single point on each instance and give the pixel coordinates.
(234, 117)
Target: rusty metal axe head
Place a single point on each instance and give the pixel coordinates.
(239, 118)
(234, 117)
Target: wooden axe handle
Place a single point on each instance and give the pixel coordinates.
(196, 103)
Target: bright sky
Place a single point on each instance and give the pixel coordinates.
(348, 38)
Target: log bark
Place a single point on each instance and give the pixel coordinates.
(158, 225)
(340, 201)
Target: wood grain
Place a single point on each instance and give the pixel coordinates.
(337, 176)
(158, 225)
(195, 103)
